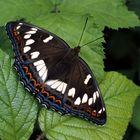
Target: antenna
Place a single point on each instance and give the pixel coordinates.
(92, 41)
(83, 34)
(83, 31)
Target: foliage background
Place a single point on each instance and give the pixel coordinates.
(127, 62)
(20, 113)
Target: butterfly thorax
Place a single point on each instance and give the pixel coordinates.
(71, 55)
(77, 50)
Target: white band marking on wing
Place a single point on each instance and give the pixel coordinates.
(71, 92)
(77, 101)
(85, 98)
(48, 39)
(29, 42)
(26, 49)
(87, 79)
(34, 55)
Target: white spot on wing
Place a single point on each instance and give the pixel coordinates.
(27, 36)
(60, 87)
(100, 111)
(94, 97)
(20, 23)
(56, 84)
(42, 71)
(64, 88)
(50, 82)
(90, 101)
(34, 29)
(48, 39)
(40, 62)
(85, 98)
(39, 67)
(97, 94)
(87, 79)
(45, 75)
(31, 32)
(34, 55)
(18, 27)
(77, 101)
(71, 92)
(29, 42)
(26, 49)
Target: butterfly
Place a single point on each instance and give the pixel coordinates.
(55, 73)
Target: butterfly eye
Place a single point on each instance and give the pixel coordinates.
(54, 73)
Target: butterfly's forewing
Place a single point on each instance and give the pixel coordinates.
(49, 70)
(36, 54)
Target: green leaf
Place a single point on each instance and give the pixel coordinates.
(17, 109)
(109, 13)
(136, 114)
(134, 5)
(119, 95)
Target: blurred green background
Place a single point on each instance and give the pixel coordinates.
(122, 50)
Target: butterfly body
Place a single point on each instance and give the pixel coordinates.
(71, 55)
(55, 73)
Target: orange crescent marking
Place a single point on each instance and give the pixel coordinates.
(94, 113)
(37, 89)
(34, 82)
(15, 32)
(58, 102)
(45, 93)
(30, 75)
(52, 97)
(25, 69)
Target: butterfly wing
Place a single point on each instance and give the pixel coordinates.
(35, 47)
(83, 96)
(37, 57)
(68, 87)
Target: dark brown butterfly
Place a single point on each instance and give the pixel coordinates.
(54, 72)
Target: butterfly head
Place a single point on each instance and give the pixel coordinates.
(77, 50)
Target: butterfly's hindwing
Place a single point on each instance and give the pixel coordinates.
(54, 73)
(83, 96)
